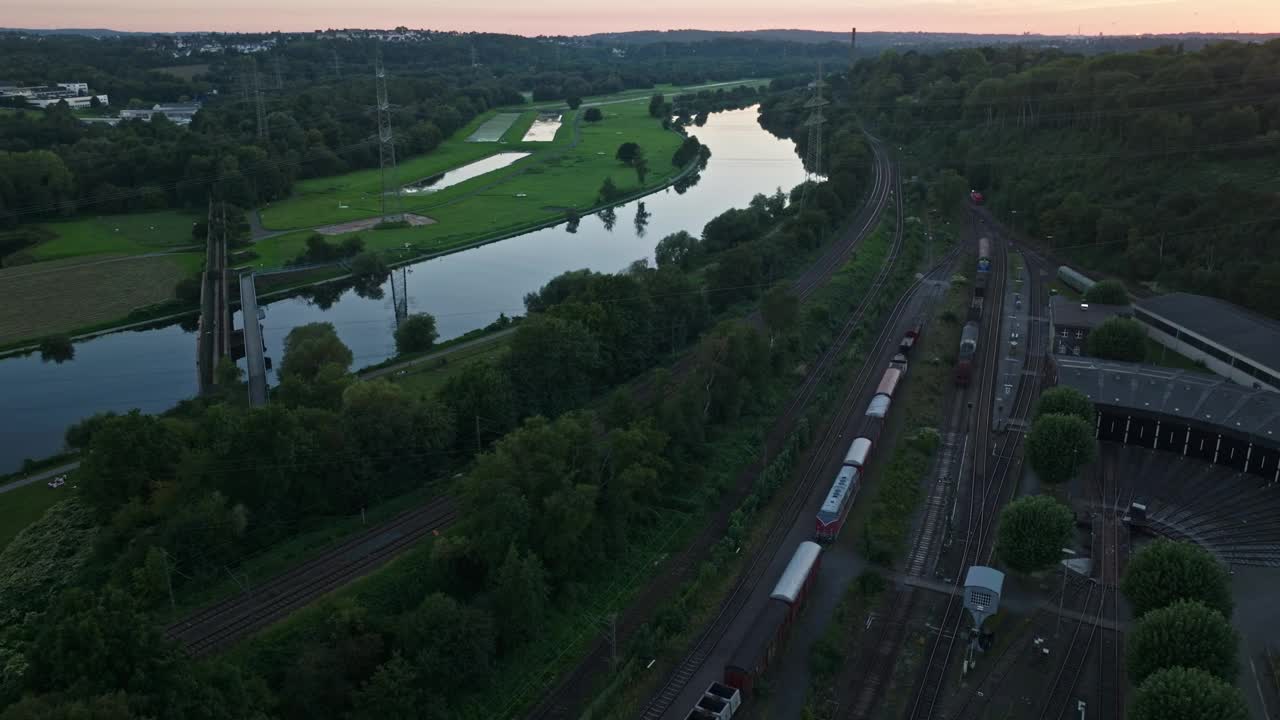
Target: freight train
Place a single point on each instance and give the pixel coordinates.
(844, 489)
(969, 335)
(764, 640)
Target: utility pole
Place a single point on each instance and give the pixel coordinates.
(275, 61)
(478, 434)
(474, 61)
(853, 41)
(337, 64)
(386, 145)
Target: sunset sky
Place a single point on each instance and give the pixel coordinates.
(533, 17)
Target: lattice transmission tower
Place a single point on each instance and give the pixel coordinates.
(258, 104)
(815, 121)
(386, 146)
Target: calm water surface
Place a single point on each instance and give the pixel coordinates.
(154, 369)
(464, 173)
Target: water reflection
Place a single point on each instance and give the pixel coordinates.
(155, 368)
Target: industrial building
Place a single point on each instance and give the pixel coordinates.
(1188, 413)
(1070, 323)
(75, 94)
(1233, 342)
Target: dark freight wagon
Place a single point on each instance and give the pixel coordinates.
(768, 634)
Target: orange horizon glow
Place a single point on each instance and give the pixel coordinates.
(576, 17)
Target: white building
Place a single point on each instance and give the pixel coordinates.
(75, 103)
(180, 114)
(78, 88)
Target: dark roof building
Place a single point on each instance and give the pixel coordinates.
(1070, 323)
(1231, 341)
(1192, 396)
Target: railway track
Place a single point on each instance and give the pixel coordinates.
(218, 625)
(758, 566)
(992, 467)
(572, 689)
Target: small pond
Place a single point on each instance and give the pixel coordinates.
(462, 174)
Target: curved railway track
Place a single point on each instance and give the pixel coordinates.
(572, 689)
(832, 441)
(757, 567)
(225, 622)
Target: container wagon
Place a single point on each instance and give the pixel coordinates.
(768, 634)
(984, 255)
(968, 347)
(910, 338)
(718, 702)
(980, 285)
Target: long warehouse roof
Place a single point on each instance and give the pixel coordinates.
(1241, 331)
(1192, 396)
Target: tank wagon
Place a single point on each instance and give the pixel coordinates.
(1074, 279)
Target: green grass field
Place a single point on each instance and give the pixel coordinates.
(427, 378)
(535, 189)
(115, 234)
(19, 508)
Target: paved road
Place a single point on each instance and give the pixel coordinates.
(436, 355)
(41, 476)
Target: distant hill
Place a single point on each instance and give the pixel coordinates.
(882, 40)
(87, 32)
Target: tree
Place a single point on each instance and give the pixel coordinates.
(520, 595)
(1179, 693)
(416, 333)
(1059, 445)
(608, 191)
(657, 105)
(1185, 634)
(1166, 571)
(593, 114)
(676, 250)
(641, 166)
(94, 643)
(1063, 400)
(1107, 292)
(780, 308)
(308, 348)
(57, 348)
(482, 401)
(128, 455)
(628, 152)
(1032, 533)
(451, 644)
(1118, 338)
(573, 101)
(369, 267)
(552, 364)
(391, 694)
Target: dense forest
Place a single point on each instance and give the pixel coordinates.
(318, 100)
(1156, 167)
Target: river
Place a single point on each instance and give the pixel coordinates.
(154, 369)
